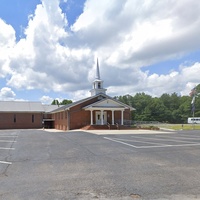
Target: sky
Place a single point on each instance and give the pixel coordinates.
(49, 49)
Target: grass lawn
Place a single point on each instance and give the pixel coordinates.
(180, 126)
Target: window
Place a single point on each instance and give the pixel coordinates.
(14, 118)
(33, 119)
(99, 85)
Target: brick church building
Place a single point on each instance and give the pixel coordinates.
(97, 111)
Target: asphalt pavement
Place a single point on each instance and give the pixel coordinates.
(39, 164)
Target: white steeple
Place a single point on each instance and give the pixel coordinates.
(97, 83)
(97, 71)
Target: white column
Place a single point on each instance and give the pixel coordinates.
(113, 120)
(91, 117)
(122, 117)
(101, 117)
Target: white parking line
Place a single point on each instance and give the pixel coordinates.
(118, 139)
(4, 148)
(5, 138)
(120, 142)
(180, 137)
(7, 163)
(166, 139)
(8, 136)
(146, 147)
(176, 145)
(189, 136)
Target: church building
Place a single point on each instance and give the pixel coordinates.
(98, 111)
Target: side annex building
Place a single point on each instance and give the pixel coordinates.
(97, 111)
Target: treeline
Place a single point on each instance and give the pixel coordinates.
(63, 102)
(170, 108)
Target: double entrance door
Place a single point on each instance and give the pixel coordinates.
(98, 118)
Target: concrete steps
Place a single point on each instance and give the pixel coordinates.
(100, 127)
(113, 127)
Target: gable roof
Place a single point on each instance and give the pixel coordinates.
(108, 103)
(68, 106)
(102, 95)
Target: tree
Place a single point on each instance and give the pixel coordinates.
(64, 102)
(170, 108)
(140, 102)
(159, 111)
(184, 110)
(166, 99)
(175, 101)
(55, 102)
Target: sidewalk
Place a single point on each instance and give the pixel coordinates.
(113, 132)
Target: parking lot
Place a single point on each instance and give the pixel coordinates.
(116, 165)
(7, 140)
(157, 140)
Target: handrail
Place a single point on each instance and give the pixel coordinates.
(117, 125)
(108, 124)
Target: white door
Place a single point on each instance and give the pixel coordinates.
(98, 118)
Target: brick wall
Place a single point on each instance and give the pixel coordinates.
(127, 115)
(20, 120)
(79, 118)
(60, 120)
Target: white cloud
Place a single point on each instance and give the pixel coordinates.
(46, 100)
(7, 94)
(126, 35)
(7, 34)
(80, 94)
(7, 41)
(137, 32)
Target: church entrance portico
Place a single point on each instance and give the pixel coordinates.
(106, 116)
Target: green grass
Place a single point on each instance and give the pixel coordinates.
(180, 127)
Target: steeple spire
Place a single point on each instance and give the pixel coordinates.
(97, 83)
(97, 71)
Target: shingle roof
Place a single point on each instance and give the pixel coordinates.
(25, 106)
(49, 108)
(76, 103)
(86, 99)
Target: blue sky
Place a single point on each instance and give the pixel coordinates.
(16, 13)
(48, 49)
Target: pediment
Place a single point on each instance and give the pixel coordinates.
(107, 104)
